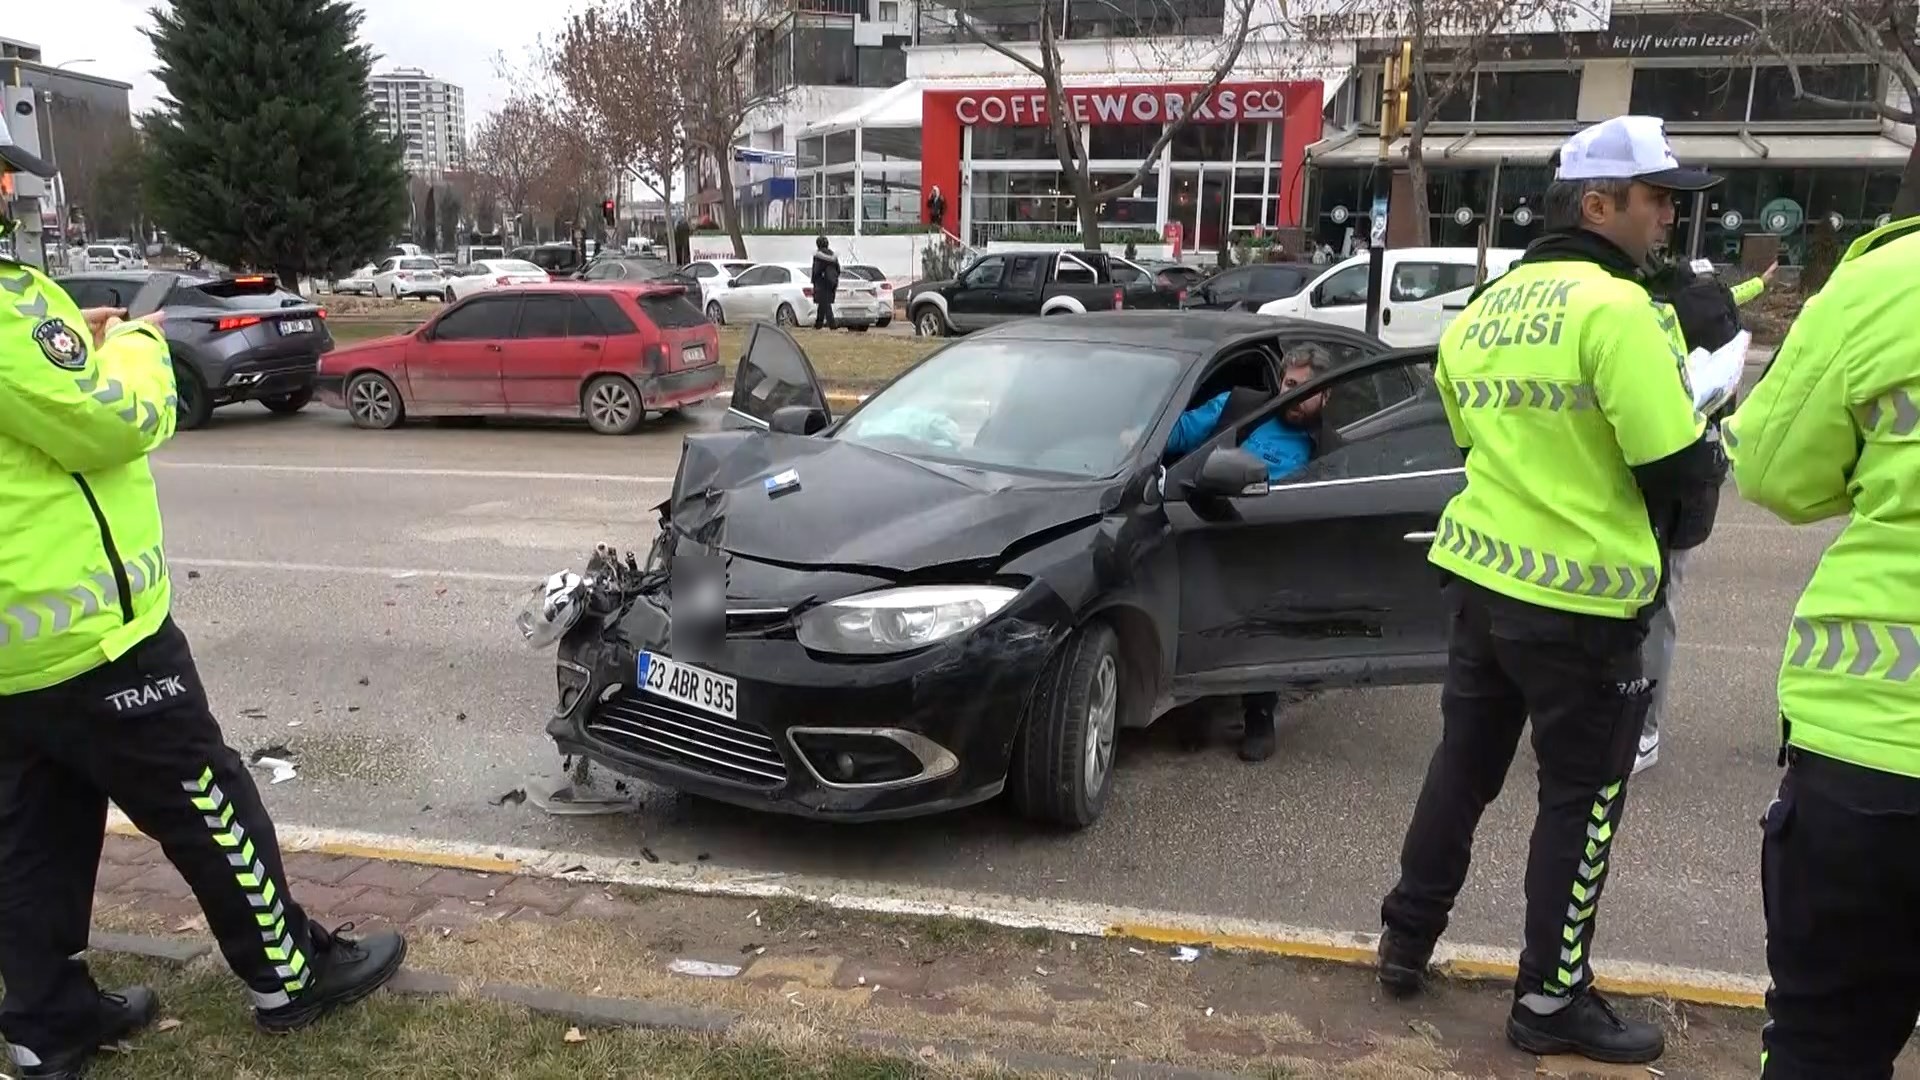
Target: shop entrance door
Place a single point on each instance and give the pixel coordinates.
(1198, 201)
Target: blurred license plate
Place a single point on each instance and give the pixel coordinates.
(694, 354)
(687, 684)
(296, 326)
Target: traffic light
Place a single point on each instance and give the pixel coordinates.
(606, 212)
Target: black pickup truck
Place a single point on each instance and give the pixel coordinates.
(1006, 285)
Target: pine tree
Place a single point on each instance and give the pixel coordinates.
(265, 152)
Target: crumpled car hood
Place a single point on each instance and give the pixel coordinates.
(854, 508)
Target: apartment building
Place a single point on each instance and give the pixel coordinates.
(429, 113)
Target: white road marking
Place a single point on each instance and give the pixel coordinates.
(1077, 918)
(370, 470)
(361, 571)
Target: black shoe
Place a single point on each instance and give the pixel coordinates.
(1589, 1027)
(122, 1013)
(1403, 964)
(1258, 743)
(345, 970)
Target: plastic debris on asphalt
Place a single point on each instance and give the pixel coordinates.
(704, 970)
(283, 770)
(1185, 954)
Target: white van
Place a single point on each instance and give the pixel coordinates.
(1426, 288)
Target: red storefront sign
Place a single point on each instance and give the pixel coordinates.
(1228, 104)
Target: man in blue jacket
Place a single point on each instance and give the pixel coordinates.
(1285, 441)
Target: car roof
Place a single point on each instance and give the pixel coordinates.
(572, 285)
(1196, 333)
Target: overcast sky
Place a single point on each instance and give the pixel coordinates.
(456, 40)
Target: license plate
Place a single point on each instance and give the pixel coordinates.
(296, 326)
(694, 354)
(687, 684)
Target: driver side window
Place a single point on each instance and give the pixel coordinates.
(1233, 388)
(1346, 287)
(1407, 435)
(986, 273)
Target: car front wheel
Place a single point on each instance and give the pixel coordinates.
(785, 316)
(373, 401)
(195, 405)
(716, 314)
(1062, 766)
(930, 323)
(612, 406)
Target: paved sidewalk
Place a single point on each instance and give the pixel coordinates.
(1025, 996)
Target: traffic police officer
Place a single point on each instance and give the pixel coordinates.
(1832, 432)
(99, 698)
(1584, 453)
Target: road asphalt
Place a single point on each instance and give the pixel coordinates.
(349, 592)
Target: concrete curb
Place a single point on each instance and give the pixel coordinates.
(1466, 962)
(608, 1012)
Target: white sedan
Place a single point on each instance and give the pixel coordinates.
(360, 281)
(714, 276)
(409, 275)
(464, 281)
(782, 293)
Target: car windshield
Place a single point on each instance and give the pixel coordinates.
(1037, 406)
(419, 263)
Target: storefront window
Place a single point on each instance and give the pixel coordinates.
(810, 151)
(1251, 142)
(1857, 84)
(1691, 94)
(1001, 143)
(1342, 198)
(1517, 96)
(1522, 189)
(1139, 206)
(890, 199)
(1455, 108)
(890, 144)
(1015, 200)
(1121, 142)
(840, 148)
(1203, 142)
(1793, 203)
(838, 211)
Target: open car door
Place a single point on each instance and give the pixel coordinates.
(774, 374)
(1323, 579)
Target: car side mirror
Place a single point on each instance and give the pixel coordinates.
(797, 420)
(1228, 473)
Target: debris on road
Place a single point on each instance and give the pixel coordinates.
(283, 770)
(1424, 1029)
(364, 680)
(1185, 954)
(573, 1035)
(193, 575)
(702, 969)
(515, 797)
(647, 854)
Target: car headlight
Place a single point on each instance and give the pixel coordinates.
(900, 620)
(551, 609)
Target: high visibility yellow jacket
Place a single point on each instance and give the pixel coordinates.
(82, 575)
(1831, 431)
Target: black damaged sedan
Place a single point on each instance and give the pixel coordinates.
(971, 581)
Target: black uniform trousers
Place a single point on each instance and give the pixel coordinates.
(1578, 678)
(823, 318)
(136, 731)
(1842, 890)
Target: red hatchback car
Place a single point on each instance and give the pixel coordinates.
(608, 351)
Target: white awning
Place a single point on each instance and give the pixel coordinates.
(1722, 150)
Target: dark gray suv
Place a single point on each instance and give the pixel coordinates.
(237, 337)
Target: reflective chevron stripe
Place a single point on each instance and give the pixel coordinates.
(1545, 569)
(54, 613)
(289, 963)
(1588, 877)
(1522, 393)
(1858, 647)
(1897, 410)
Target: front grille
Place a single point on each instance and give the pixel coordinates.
(733, 750)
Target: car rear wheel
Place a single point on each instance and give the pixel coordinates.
(373, 401)
(930, 323)
(1062, 767)
(785, 316)
(194, 404)
(448, 297)
(612, 406)
(716, 314)
(288, 404)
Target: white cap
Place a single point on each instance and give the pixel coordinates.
(13, 156)
(1628, 148)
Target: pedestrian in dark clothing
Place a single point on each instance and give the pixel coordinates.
(826, 279)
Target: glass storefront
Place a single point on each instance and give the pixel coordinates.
(879, 168)
(1787, 202)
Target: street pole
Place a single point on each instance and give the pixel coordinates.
(1393, 114)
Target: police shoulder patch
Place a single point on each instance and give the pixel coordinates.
(63, 345)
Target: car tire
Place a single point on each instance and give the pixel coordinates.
(1062, 766)
(929, 322)
(288, 404)
(858, 329)
(194, 405)
(448, 297)
(716, 314)
(612, 405)
(785, 316)
(373, 402)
